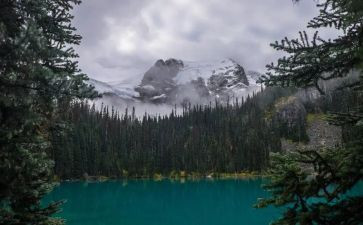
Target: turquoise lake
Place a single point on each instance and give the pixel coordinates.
(148, 202)
(166, 202)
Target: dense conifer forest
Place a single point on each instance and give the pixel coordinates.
(214, 138)
(204, 139)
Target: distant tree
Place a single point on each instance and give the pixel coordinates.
(37, 74)
(312, 184)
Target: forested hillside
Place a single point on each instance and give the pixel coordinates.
(214, 138)
(203, 139)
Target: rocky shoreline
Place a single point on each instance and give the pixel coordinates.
(182, 175)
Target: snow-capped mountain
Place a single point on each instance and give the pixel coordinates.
(178, 82)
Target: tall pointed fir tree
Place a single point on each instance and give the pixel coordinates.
(314, 185)
(37, 74)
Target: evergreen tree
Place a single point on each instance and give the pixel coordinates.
(37, 74)
(313, 185)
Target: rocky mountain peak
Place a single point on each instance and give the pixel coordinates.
(175, 81)
(158, 80)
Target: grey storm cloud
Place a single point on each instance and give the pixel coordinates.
(123, 38)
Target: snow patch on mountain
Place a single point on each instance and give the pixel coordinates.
(253, 77)
(120, 91)
(206, 69)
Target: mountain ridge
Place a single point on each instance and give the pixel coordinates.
(177, 82)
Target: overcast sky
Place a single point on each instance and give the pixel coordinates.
(123, 38)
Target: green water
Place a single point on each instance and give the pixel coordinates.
(140, 202)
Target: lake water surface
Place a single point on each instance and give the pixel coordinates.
(166, 202)
(148, 202)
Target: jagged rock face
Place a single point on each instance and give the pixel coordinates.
(290, 110)
(321, 135)
(289, 119)
(221, 82)
(174, 81)
(235, 75)
(253, 75)
(158, 80)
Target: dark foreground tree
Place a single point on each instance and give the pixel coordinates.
(314, 185)
(37, 74)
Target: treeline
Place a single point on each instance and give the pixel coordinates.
(212, 138)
